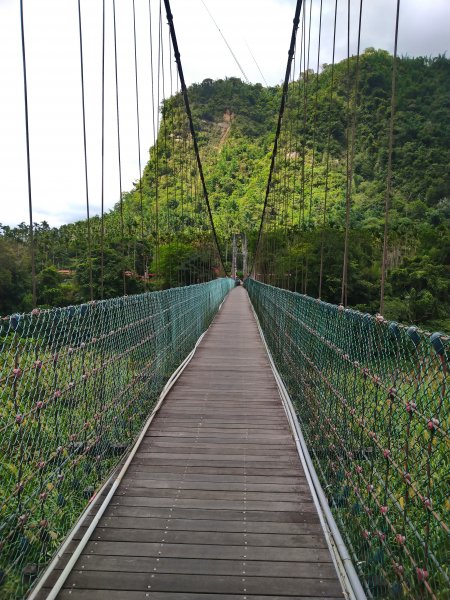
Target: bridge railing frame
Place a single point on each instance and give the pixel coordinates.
(77, 385)
(372, 402)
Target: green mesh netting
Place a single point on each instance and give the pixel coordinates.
(77, 384)
(372, 401)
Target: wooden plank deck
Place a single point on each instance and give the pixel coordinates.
(215, 504)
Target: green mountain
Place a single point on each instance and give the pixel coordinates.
(235, 123)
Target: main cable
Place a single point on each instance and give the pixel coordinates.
(191, 125)
(280, 118)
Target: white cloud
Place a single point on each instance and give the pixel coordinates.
(54, 81)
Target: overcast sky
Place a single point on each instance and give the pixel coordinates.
(56, 141)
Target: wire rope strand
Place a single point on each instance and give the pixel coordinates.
(305, 116)
(163, 98)
(191, 127)
(27, 142)
(102, 217)
(226, 43)
(280, 118)
(314, 125)
(152, 77)
(350, 165)
(315, 107)
(389, 168)
(119, 155)
(173, 155)
(303, 58)
(86, 180)
(344, 285)
(327, 168)
(141, 201)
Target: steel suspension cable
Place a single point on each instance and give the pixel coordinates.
(303, 46)
(327, 168)
(315, 106)
(136, 85)
(154, 125)
(316, 96)
(389, 168)
(191, 126)
(159, 70)
(119, 156)
(27, 143)
(300, 161)
(86, 181)
(280, 118)
(305, 116)
(299, 146)
(102, 217)
(344, 292)
(172, 128)
(350, 159)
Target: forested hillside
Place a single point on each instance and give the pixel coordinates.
(236, 124)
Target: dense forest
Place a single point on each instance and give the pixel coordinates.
(235, 123)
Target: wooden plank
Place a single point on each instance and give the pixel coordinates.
(307, 513)
(94, 594)
(126, 521)
(203, 551)
(212, 470)
(217, 538)
(156, 581)
(194, 566)
(215, 504)
(199, 504)
(139, 471)
(139, 487)
(141, 480)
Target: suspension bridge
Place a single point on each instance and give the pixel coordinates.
(209, 440)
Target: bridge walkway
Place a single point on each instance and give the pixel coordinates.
(215, 504)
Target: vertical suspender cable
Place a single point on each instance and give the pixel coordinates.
(160, 100)
(280, 118)
(327, 168)
(27, 140)
(344, 292)
(315, 107)
(141, 201)
(305, 89)
(122, 235)
(191, 125)
(344, 283)
(102, 217)
(152, 71)
(172, 153)
(313, 159)
(154, 127)
(389, 168)
(300, 58)
(86, 182)
(305, 100)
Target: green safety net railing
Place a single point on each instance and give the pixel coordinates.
(77, 384)
(373, 405)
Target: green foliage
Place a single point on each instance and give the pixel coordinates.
(236, 122)
(15, 279)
